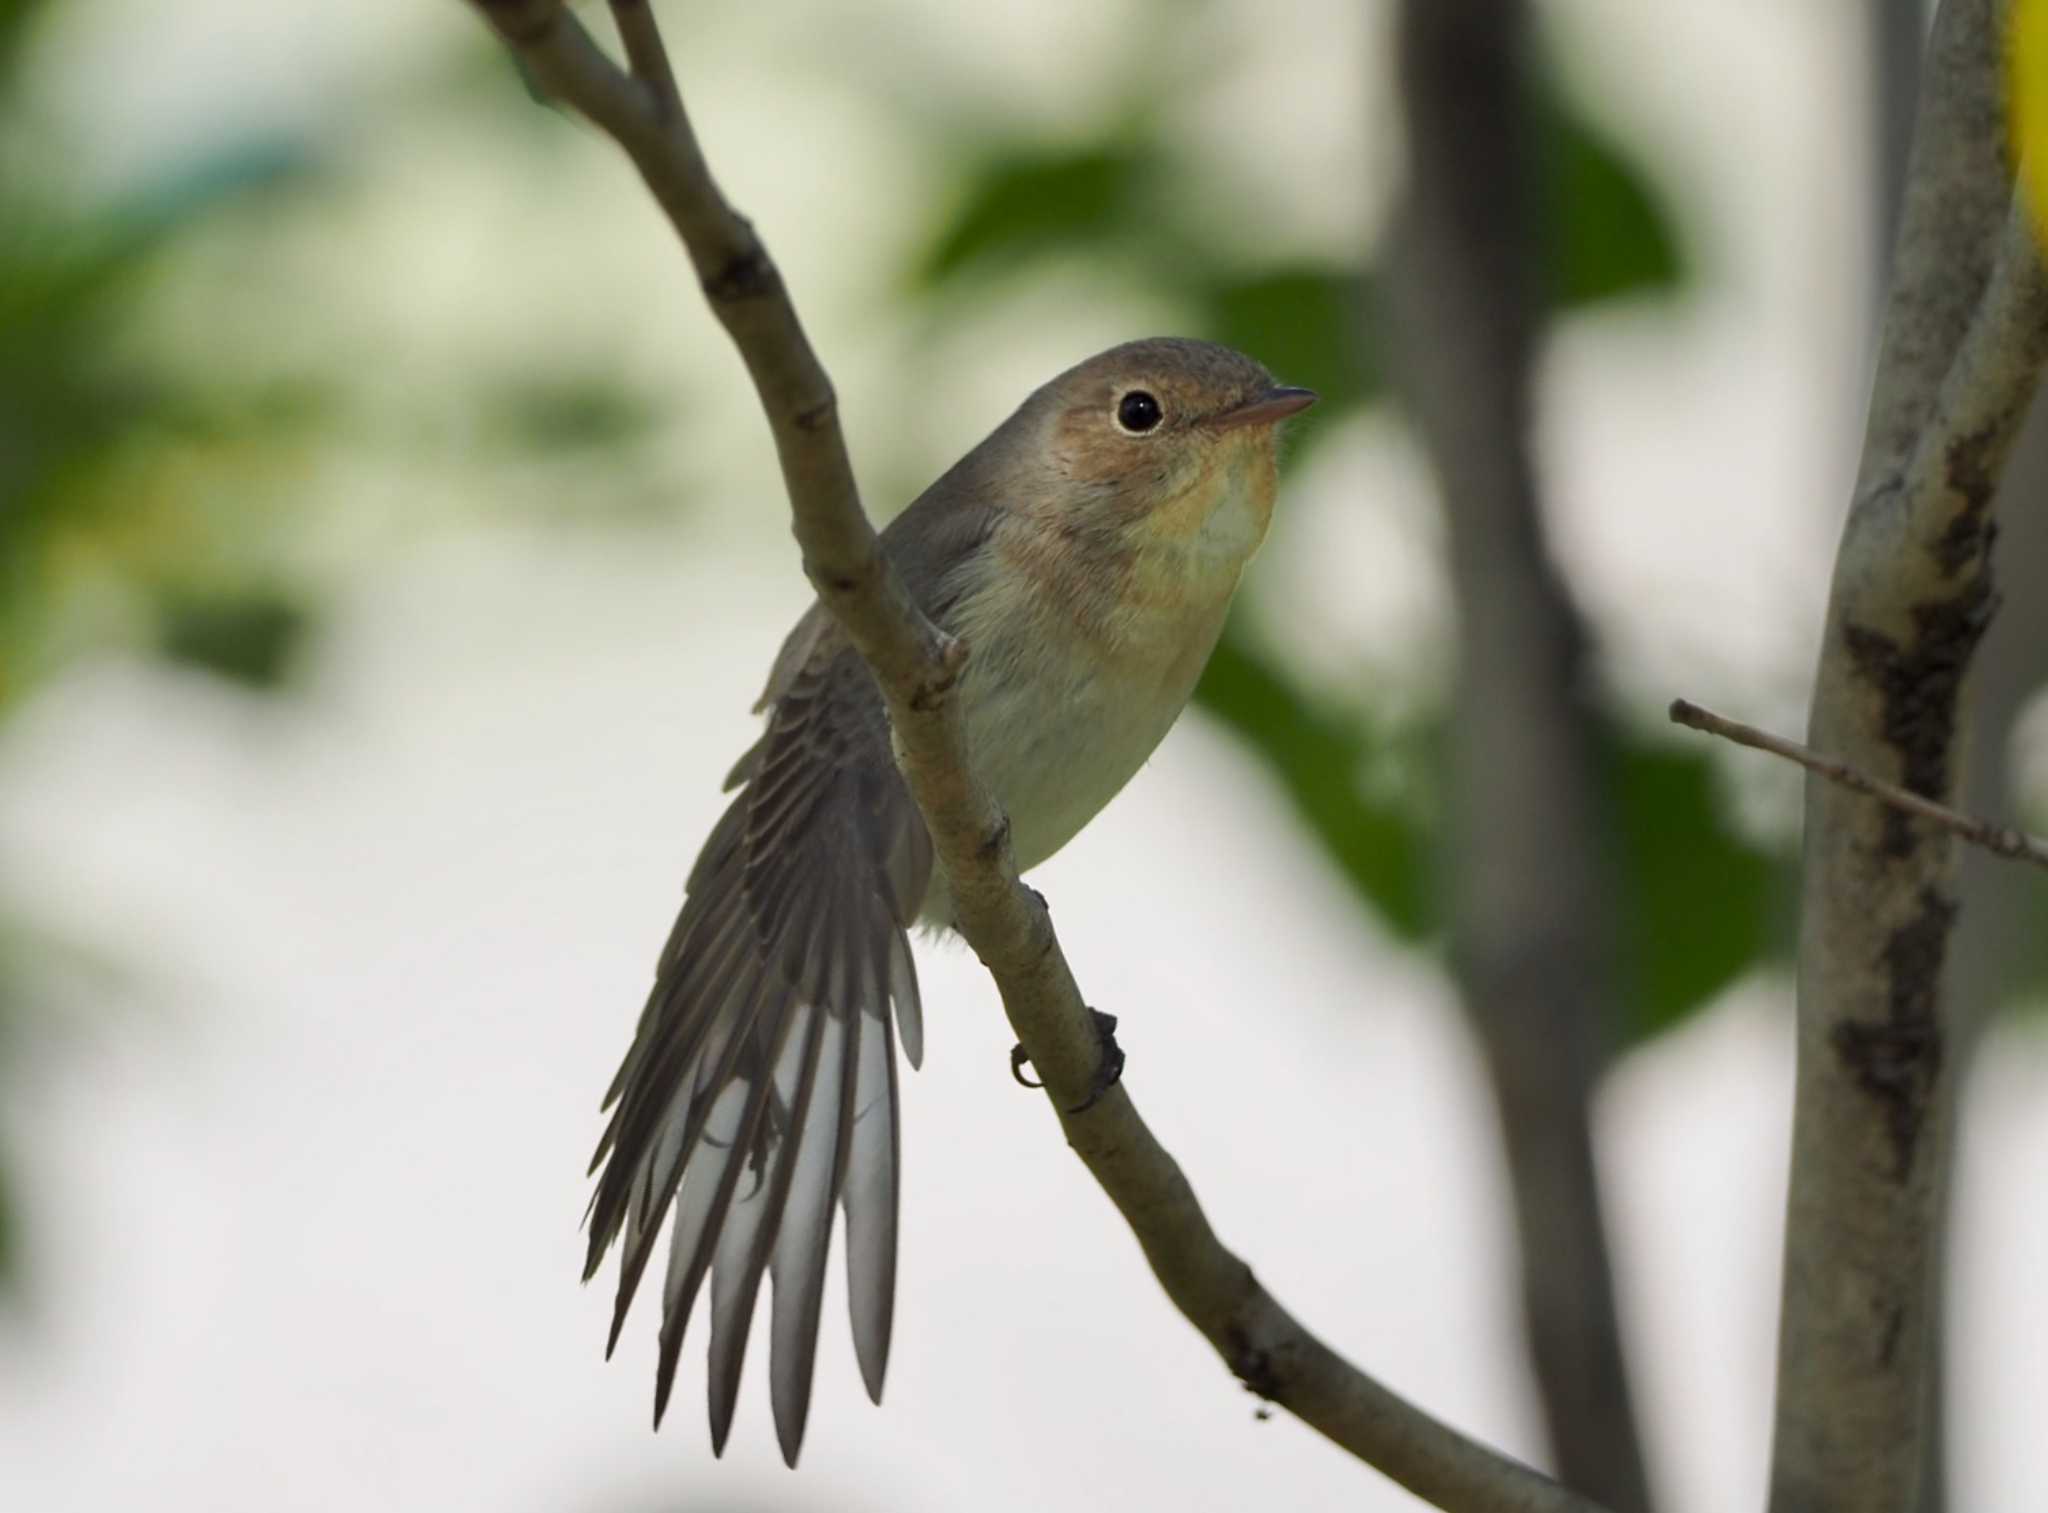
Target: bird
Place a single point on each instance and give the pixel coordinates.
(1086, 551)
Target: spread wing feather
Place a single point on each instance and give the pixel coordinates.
(760, 1088)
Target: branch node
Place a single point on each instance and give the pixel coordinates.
(947, 659)
(1253, 1366)
(749, 274)
(818, 416)
(648, 58)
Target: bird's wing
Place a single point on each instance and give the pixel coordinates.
(760, 1087)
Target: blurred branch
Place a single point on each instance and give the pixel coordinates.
(2000, 948)
(1534, 903)
(916, 667)
(2014, 845)
(1896, 37)
(1965, 335)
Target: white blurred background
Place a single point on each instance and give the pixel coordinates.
(302, 1077)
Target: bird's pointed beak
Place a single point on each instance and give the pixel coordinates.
(1273, 405)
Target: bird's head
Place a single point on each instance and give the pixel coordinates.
(1165, 443)
(1153, 468)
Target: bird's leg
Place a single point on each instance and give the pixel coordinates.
(1109, 1067)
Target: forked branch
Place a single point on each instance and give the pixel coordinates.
(916, 666)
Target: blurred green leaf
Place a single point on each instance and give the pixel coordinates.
(1025, 198)
(1608, 235)
(1308, 325)
(232, 172)
(17, 22)
(249, 637)
(1318, 757)
(1699, 904)
(73, 402)
(554, 414)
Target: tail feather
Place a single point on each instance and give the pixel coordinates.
(868, 1193)
(698, 1104)
(669, 1062)
(818, 1156)
(747, 1236)
(760, 1091)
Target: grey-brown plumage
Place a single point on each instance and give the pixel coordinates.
(1089, 565)
(764, 1061)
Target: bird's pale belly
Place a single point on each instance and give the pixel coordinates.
(1058, 732)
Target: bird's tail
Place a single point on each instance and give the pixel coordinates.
(760, 1087)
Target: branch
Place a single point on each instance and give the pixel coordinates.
(916, 666)
(647, 57)
(2015, 845)
(1531, 890)
(1965, 334)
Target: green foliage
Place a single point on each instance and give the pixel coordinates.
(1700, 905)
(1698, 901)
(72, 411)
(1607, 237)
(17, 24)
(1024, 199)
(76, 413)
(249, 636)
(1606, 233)
(1318, 756)
(554, 413)
(1308, 324)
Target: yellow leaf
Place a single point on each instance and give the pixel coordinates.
(2027, 73)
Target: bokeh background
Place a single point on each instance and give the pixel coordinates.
(390, 552)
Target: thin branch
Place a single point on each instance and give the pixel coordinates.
(916, 666)
(2005, 841)
(645, 54)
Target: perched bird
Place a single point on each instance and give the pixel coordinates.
(1087, 552)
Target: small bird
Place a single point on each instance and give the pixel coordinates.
(1086, 552)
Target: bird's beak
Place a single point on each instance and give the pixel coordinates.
(1264, 409)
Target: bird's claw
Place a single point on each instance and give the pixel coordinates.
(1020, 1059)
(1109, 1066)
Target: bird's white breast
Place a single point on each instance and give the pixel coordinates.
(1065, 700)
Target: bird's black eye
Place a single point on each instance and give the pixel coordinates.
(1138, 411)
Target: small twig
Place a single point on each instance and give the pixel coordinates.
(2002, 840)
(645, 54)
